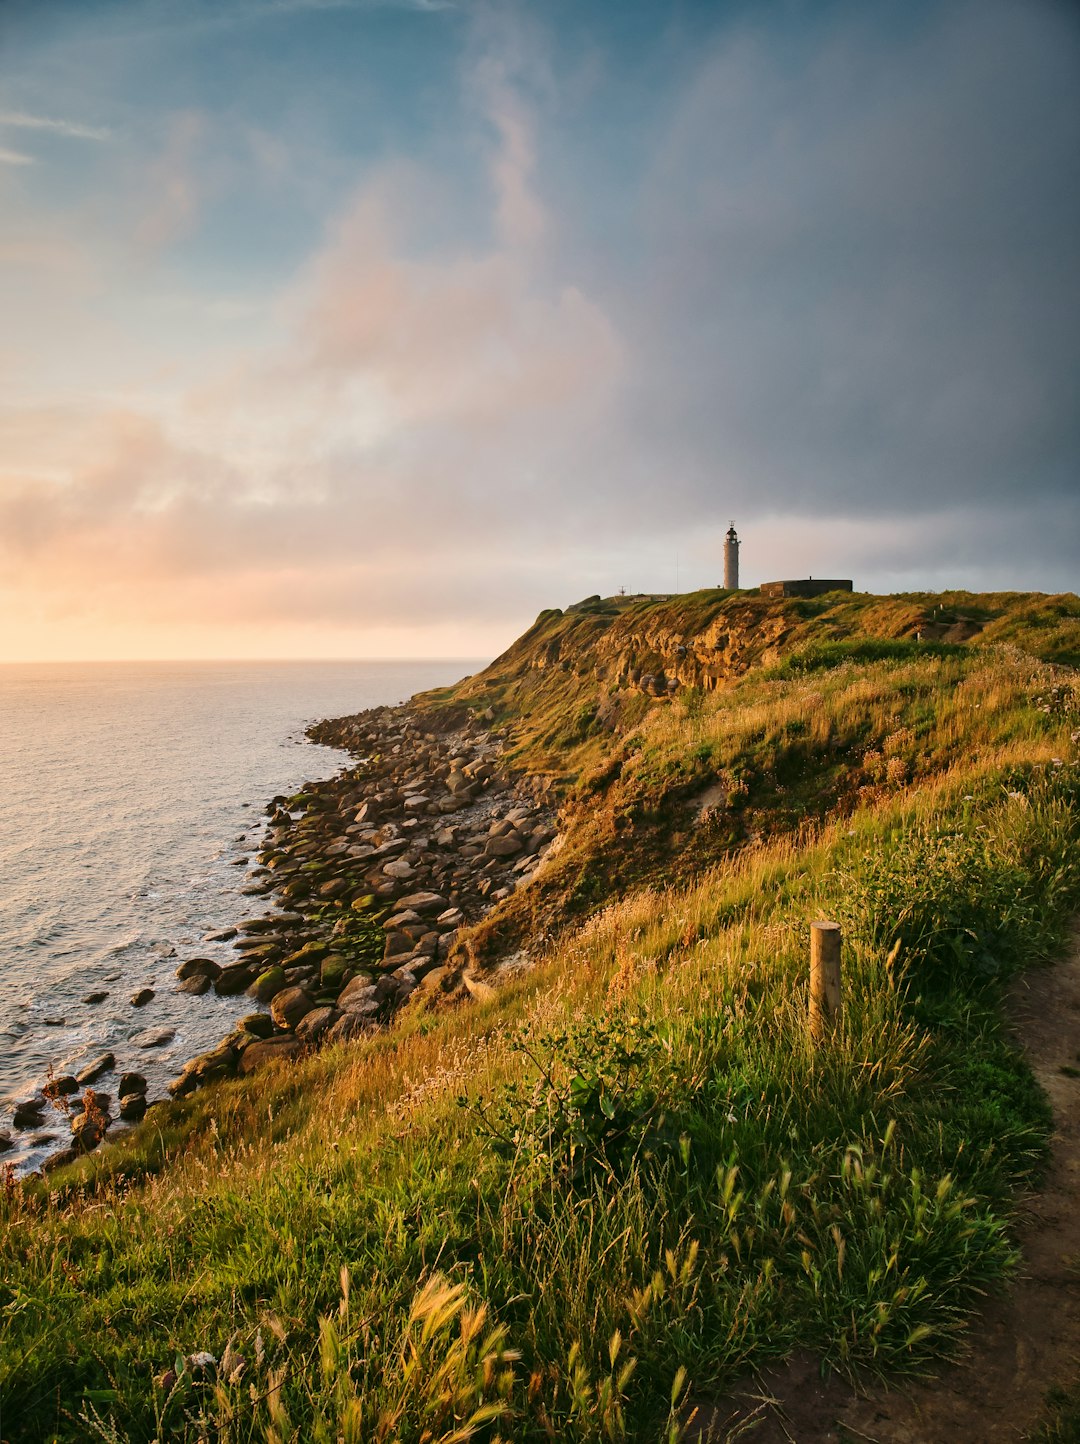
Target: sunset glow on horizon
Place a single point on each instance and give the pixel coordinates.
(370, 328)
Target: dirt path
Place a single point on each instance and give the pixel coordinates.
(1026, 1342)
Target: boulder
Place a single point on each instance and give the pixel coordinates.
(59, 1159)
(267, 984)
(258, 953)
(198, 984)
(104, 1063)
(421, 967)
(508, 845)
(289, 1006)
(98, 997)
(259, 1025)
(422, 902)
(29, 1113)
(131, 1083)
(451, 918)
(348, 1026)
(401, 920)
(142, 997)
(6, 1140)
(314, 1024)
(198, 967)
(432, 980)
(61, 1087)
(310, 953)
(232, 980)
(133, 1107)
(357, 995)
(446, 943)
(86, 1131)
(397, 945)
(209, 1067)
(267, 1052)
(399, 868)
(333, 970)
(153, 1038)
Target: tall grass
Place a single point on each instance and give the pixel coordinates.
(572, 1211)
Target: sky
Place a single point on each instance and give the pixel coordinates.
(369, 328)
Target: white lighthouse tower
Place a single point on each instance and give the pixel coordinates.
(731, 559)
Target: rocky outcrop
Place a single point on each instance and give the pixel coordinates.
(374, 873)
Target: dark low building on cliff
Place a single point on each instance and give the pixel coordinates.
(811, 587)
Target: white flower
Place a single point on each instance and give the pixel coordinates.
(201, 1361)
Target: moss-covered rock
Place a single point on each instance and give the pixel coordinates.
(267, 984)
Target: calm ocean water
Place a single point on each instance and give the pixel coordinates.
(128, 793)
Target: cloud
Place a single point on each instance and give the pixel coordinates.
(14, 157)
(23, 120)
(364, 472)
(470, 340)
(835, 297)
(862, 255)
(175, 183)
(291, 7)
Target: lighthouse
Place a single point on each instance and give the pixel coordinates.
(731, 559)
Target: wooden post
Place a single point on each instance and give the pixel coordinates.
(824, 978)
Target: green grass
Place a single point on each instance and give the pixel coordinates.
(630, 1176)
(1062, 1422)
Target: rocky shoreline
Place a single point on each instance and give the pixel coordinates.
(371, 874)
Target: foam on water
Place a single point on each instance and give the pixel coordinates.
(127, 793)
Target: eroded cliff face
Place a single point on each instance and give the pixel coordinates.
(603, 663)
(659, 645)
(606, 660)
(579, 702)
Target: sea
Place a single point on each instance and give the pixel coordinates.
(132, 801)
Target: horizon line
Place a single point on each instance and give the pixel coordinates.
(163, 661)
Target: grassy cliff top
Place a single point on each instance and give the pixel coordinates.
(576, 1208)
(574, 667)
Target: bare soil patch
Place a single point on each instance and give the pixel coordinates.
(1025, 1342)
